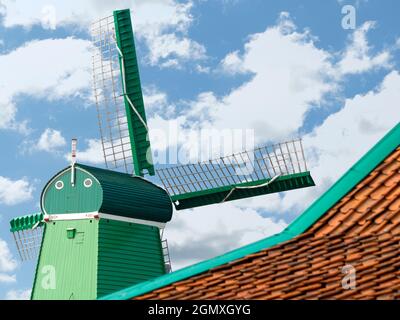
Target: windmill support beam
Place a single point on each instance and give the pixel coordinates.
(242, 190)
(133, 96)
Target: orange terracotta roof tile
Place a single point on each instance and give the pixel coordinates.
(362, 230)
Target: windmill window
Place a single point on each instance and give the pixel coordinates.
(88, 183)
(59, 185)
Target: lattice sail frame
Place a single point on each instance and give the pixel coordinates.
(118, 95)
(28, 233)
(108, 94)
(124, 133)
(270, 169)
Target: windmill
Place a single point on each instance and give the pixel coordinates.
(100, 230)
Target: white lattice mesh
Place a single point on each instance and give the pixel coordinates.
(108, 93)
(247, 166)
(28, 242)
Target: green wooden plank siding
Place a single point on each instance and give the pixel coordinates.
(133, 197)
(72, 199)
(140, 143)
(104, 256)
(128, 253)
(74, 261)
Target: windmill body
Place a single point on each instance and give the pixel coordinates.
(101, 235)
(100, 230)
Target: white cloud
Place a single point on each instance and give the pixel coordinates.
(14, 191)
(7, 113)
(206, 232)
(50, 69)
(170, 63)
(93, 154)
(163, 47)
(7, 278)
(156, 101)
(283, 88)
(48, 17)
(232, 63)
(7, 264)
(153, 98)
(50, 140)
(38, 70)
(163, 24)
(334, 146)
(21, 294)
(357, 58)
(152, 14)
(202, 69)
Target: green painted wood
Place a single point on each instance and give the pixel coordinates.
(26, 222)
(74, 262)
(140, 144)
(212, 196)
(133, 197)
(103, 256)
(112, 192)
(139, 250)
(128, 254)
(95, 257)
(72, 199)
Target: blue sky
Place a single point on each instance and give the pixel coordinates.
(284, 69)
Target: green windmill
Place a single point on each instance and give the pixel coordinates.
(101, 230)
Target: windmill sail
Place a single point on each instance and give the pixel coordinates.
(119, 97)
(27, 232)
(264, 170)
(124, 134)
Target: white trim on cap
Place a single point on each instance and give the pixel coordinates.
(71, 216)
(97, 215)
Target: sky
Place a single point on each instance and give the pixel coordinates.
(319, 70)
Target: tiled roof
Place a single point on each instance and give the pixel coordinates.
(356, 222)
(300, 269)
(362, 230)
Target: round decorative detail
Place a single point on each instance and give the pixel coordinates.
(59, 185)
(88, 183)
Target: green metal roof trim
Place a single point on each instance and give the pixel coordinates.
(348, 181)
(26, 222)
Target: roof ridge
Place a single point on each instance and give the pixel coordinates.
(337, 191)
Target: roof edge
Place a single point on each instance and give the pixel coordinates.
(368, 162)
(337, 191)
